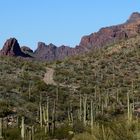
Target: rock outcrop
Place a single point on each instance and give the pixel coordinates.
(26, 49)
(11, 48)
(135, 17)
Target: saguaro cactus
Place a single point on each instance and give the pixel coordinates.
(129, 108)
(53, 117)
(22, 129)
(47, 113)
(91, 121)
(80, 110)
(32, 132)
(40, 115)
(44, 119)
(85, 110)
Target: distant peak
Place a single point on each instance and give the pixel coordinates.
(11, 48)
(51, 45)
(134, 17)
(41, 45)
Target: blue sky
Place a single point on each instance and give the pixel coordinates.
(59, 21)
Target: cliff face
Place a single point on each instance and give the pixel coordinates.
(103, 37)
(111, 34)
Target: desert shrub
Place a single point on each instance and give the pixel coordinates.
(63, 132)
(40, 135)
(83, 136)
(12, 134)
(78, 127)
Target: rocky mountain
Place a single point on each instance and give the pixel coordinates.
(52, 52)
(105, 36)
(11, 48)
(112, 34)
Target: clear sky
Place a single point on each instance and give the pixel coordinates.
(59, 21)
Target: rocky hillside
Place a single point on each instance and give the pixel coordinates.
(104, 83)
(103, 37)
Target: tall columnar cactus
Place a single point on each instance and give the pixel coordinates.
(69, 118)
(40, 115)
(17, 121)
(30, 135)
(44, 114)
(53, 117)
(40, 112)
(70, 115)
(129, 108)
(32, 132)
(80, 110)
(133, 105)
(92, 117)
(131, 112)
(85, 110)
(22, 129)
(44, 118)
(1, 128)
(47, 113)
(95, 88)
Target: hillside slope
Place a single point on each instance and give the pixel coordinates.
(108, 86)
(104, 84)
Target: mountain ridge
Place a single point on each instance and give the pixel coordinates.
(103, 37)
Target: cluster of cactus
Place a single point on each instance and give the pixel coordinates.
(92, 106)
(44, 117)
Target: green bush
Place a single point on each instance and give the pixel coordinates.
(12, 134)
(63, 132)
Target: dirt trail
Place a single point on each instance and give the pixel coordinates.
(48, 77)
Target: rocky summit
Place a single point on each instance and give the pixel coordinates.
(105, 36)
(11, 48)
